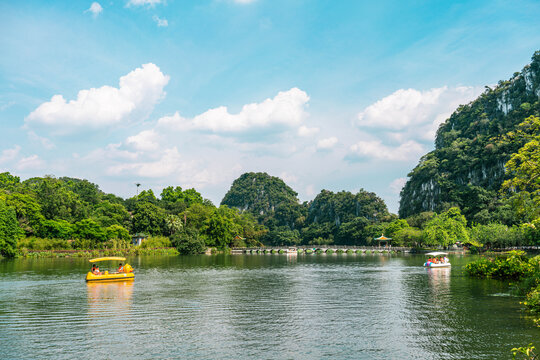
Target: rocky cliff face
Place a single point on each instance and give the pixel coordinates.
(467, 166)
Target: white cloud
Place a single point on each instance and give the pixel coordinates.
(244, 1)
(415, 114)
(9, 154)
(150, 3)
(397, 185)
(95, 9)
(147, 140)
(32, 162)
(304, 131)
(286, 110)
(160, 22)
(327, 144)
(374, 149)
(98, 108)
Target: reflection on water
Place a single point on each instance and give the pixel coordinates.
(258, 306)
(109, 298)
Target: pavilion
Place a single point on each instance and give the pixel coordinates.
(383, 238)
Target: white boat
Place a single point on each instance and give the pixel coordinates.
(291, 251)
(437, 265)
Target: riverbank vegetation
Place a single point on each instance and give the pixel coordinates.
(524, 272)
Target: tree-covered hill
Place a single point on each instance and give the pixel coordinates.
(467, 167)
(341, 217)
(259, 194)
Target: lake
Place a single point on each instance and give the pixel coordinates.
(340, 306)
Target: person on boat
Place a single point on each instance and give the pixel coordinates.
(446, 260)
(94, 271)
(120, 268)
(429, 261)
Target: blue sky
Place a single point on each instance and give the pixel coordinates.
(337, 95)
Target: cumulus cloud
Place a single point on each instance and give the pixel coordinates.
(95, 9)
(160, 22)
(285, 111)
(397, 185)
(98, 108)
(327, 144)
(413, 113)
(375, 149)
(147, 140)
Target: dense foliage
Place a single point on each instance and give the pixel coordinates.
(65, 213)
(331, 218)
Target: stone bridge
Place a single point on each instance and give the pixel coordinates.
(318, 249)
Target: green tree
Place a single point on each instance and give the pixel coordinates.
(173, 223)
(58, 202)
(89, 229)
(28, 211)
(196, 215)
(407, 236)
(8, 181)
(219, 230)
(148, 218)
(446, 229)
(117, 232)
(392, 228)
(9, 230)
(524, 166)
(147, 195)
(188, 242)
(56, 229)
(353, 232)
(107, 213)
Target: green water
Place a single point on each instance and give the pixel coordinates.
(258, 307)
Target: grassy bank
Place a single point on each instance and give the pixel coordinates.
(90, 253)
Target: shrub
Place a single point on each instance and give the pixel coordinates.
(34, 243)
(157, 242)
(188, 242)
(512, 266)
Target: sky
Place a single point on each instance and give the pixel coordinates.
(326, 94)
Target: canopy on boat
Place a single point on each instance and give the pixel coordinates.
(108, 258)
(436, 253)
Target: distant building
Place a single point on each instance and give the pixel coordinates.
(137, 239)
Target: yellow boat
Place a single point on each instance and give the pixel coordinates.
(127, 274)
